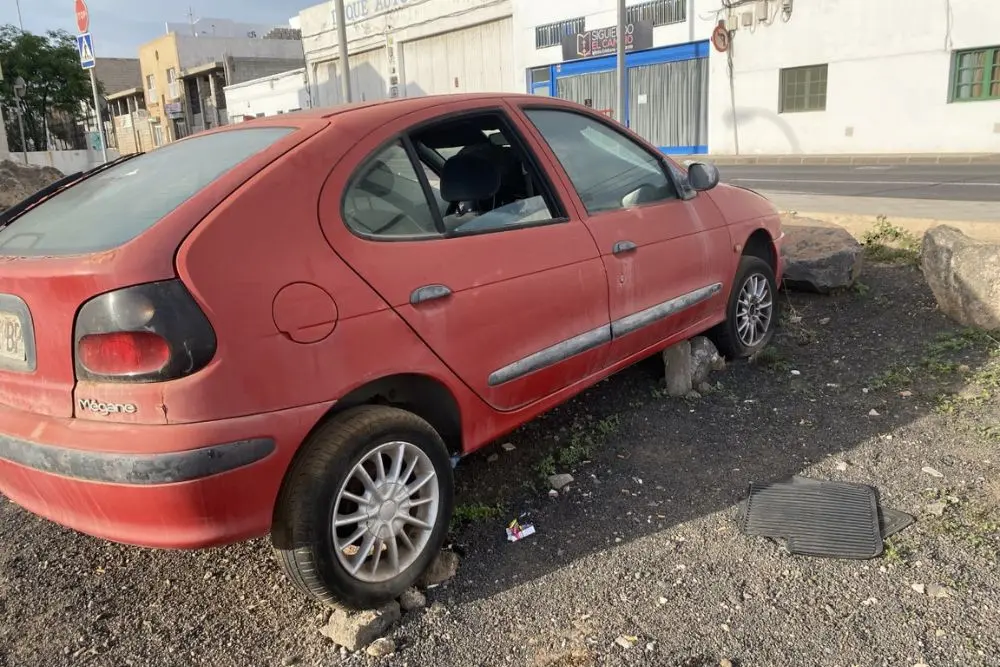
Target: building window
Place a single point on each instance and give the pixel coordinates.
(551, 34)
(976, 75)
(540, 75)
(803, 89)
(658, 12)
(151, 85)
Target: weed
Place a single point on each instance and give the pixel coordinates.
(579, 447)
(860, 288)
(771, 358)
(474, 512)
(890, 244)
(896, 552)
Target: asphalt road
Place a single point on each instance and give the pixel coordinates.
(943, 182)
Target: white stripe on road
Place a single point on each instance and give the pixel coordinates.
(790, 181)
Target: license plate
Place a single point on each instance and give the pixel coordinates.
(11, 337)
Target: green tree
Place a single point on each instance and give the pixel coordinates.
(56, 85)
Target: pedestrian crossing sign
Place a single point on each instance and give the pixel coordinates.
(85, 45)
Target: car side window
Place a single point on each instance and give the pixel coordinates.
(609, 171)
(385, 198)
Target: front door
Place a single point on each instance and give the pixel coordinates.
(507, 289)
(662, 253)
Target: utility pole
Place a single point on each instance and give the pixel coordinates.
(345, 66)
(20, 23)
(622, 97)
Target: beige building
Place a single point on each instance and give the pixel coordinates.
(183, 75)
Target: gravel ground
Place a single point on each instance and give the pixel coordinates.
(639, 562)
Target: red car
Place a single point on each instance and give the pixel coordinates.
(290, 326)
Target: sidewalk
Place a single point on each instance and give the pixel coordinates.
(862, 159)
(980, 220)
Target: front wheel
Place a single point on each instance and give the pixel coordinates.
(751, 313)
(365, 507)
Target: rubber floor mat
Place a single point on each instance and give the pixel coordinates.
(893, 521)
(823, 519)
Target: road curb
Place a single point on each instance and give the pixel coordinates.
(846, 160)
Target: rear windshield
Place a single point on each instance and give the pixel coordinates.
(114, 206)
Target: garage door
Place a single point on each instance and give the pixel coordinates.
(472, 60)
(369, 78)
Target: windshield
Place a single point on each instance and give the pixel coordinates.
(116, 205)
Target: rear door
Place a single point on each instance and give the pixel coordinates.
(516, 307)
(665, 252)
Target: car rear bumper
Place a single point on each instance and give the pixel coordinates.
(170, 486)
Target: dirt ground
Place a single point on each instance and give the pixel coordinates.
(18, 181)
(640, 562)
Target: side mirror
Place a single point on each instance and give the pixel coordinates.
(702, 176)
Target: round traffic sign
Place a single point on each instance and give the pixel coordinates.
(82, 16)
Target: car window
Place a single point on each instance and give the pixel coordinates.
(386, 198)
(114, 206)
(520, 197)
(608, 170)
(479, 181)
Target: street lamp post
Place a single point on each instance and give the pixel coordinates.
(20, 87)
(345, 66)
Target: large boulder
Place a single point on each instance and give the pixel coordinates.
(819, 257)
(964, 275)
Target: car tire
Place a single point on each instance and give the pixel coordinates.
(753, 288)
(325, 486)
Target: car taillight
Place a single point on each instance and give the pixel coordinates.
(123, 352)
(145, 333)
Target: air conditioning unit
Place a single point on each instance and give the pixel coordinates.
(733, 23)
(747, 18)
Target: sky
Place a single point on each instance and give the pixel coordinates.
(120, 26)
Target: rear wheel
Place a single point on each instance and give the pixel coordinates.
(751, 313)
(365, 507)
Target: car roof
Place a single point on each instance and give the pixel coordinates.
(385, 110)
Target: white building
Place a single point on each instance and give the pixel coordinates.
(268, 96)
(793, 76)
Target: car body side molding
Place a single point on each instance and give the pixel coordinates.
(643, 318)
(551, 355)
(596, 337)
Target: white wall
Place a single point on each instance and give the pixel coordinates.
(268, 95)
(67, 162)
(407, 21)
(889, 66)
(214, 27)
(529, 14)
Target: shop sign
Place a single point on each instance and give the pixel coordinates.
(604, 41)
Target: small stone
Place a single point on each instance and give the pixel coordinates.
(692, 395)
(626, 641)
(919, 588)
(412, 599)
(725, 628)
(661, 601)
(935, 591)
(381, 648)
(507, 447)
(553, 494)
(704, 388)
(650, 646)
(796, 373)
(442, 569)
(842, 466)
(936, 508)
(561, 481)
(824, 321)
(289, 660)
(354, 631)
(725, 662)
(931, 471)
(906, 394)
(874, 413)
(939, 633)
(492, 458)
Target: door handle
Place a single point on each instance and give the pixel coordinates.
(429, 293)
(622, 247)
